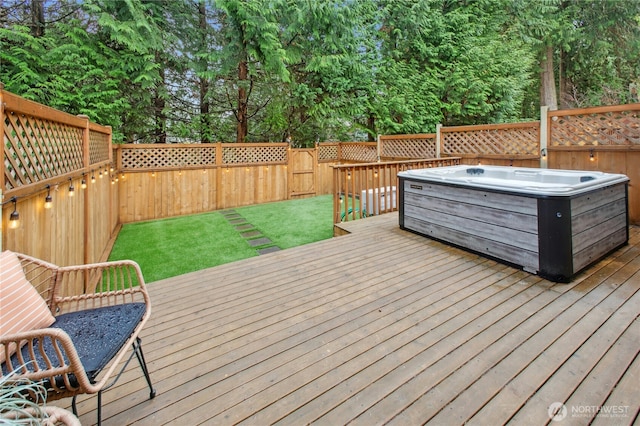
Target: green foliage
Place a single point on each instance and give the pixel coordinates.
(316, 70)
(15, 409)
(602, 62)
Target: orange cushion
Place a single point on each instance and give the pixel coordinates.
(21, 307)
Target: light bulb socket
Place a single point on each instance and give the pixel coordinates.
(14, 217)
(48, 201)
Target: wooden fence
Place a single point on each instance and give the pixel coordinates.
(605, 139)
(46, 152)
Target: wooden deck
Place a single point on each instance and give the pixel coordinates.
(385, 326)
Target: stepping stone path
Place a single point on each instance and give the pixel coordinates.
(254, 237)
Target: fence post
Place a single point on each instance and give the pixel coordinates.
(438, 140)
(219, 171)
(544, 136)
(379, 147)
(1, 160)
(86, 163)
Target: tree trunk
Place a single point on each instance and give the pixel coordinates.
(159, 106)
(37, 18)
(371, 125)
(243, 126)
(548, 95)
(205, 119)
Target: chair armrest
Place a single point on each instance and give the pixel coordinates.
(33, 363)
(98, 284)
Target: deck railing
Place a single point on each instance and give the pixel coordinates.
(369, 189)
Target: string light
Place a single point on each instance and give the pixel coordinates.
(544, 153)
(591, 157)
(48, 201)
(83, 182)
(14, 218)
(93, 177)
(72, 190)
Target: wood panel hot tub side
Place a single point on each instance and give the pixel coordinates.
(599, 224)
(553, 236)
(497, 225)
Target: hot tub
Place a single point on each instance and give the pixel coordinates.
(549, 222)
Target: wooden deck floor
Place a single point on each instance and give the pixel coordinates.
(384, 326)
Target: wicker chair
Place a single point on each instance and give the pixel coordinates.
(97, 310)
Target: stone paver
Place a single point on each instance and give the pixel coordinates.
(259, 242)
(267, 250)
(250, 234)
(241, 224)
(244, 227)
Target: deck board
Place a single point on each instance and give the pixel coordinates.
(383, 326)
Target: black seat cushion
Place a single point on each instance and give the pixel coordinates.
(97, 334)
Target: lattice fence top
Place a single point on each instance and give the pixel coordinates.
(328, 152)
(260, 154)
(99, 146)
(620, 128)
(154, 157)
(38, 149)
(366, 153)
(423, 147)
(160, 157)
(504, 141)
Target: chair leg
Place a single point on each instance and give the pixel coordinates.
(137, 348)
(73, 406)
(99, 407)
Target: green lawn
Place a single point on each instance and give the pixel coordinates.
(169, 247)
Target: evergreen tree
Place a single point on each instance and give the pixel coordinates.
(307, 71)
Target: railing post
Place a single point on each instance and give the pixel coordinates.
(544, 136)
(438, 140)
(379, 147)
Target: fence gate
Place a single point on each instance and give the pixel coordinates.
(302, 172)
